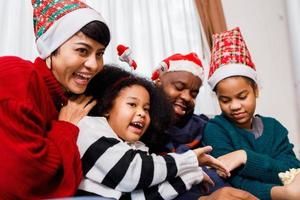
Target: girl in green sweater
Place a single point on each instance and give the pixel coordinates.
(255, 148)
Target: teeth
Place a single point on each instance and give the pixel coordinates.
(138, 124)
(84, 75)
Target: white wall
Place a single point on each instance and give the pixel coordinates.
(264, 26)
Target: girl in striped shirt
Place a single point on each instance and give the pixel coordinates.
(115, 163)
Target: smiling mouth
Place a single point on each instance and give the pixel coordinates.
(83, 76)
(137, 125)
(180, 109)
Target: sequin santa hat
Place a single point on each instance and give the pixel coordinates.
(230, 57)
(55, 21)
(178, 62)
(124, 54)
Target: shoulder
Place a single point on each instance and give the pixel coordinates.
(17, 72)
(272, 123)
(95, 127)
(217, 125)
(13, 64)
(202, 119)
(266, 119)
(19, 78)
(218, 120)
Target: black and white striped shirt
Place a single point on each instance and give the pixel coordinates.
(112, 167)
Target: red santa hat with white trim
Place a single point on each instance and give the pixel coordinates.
(55, 21)
(124, 54)
(230, 57)
(178, 62)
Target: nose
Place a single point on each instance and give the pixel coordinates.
(93, 63)
(235, 105)
(186, 96)
(141, 113)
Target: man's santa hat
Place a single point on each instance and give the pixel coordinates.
(230, 57)
(178, 62)
(55, 21)
(124, 54)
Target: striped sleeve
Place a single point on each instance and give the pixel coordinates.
(170, 189)
(107, 160)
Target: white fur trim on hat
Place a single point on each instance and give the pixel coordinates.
(65, 28)
(231, 70)
(186, 65)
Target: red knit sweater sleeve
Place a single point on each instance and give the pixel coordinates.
(38, 156)
(33, 165)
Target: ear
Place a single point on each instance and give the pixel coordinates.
(157, 82)
(49, 62)
(256, 91)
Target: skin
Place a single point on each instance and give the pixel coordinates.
(229, 193)
(182, 88)
(129, 116)
(76, 62)
(287, 192)
(237, 100)
(131, 106)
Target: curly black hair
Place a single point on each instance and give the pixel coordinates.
(106, 86)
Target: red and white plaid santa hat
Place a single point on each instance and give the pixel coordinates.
(230, 57)
(178, 62)
(55, 21)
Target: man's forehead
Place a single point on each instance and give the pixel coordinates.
(178, 76)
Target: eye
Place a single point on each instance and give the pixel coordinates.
(224, 100)
(133, 105)
(100, 54)
(243, 97)
(147, 108)
(82, 51)
(179, 86)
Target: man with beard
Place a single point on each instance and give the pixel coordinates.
(180, 78)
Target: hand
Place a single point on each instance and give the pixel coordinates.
(234, 159)
(292, 189)
(206, 182)
(229, 193)
(205, 159)
(76, 109)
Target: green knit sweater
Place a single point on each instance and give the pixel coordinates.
(267, 155)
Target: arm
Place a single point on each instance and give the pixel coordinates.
(32, 156)
(114, 164)
(278, 154)
(267, 168)
(269, 191)
(229, 193)
(109, 161)
(279, 157)
(170, 189)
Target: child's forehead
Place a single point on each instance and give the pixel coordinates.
(233, 83)
(134, 90)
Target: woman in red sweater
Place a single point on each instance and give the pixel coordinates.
(39, 157)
